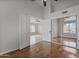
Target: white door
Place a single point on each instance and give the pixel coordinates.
(24, 40)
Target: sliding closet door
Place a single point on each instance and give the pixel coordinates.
(24, 31)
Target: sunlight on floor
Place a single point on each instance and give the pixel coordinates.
(71, 50)
(71, 44)
(72, 56)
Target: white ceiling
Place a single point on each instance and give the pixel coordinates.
(63, 4)
(60, 4)
(39, 2)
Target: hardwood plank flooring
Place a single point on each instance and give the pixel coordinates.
(44, 50)
(71, 42)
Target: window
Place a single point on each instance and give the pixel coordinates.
(66, 28)
(72, 27)
(69, 25)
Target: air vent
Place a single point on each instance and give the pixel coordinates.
(64, 12)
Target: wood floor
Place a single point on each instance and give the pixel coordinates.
(44, 50)
(71, 42)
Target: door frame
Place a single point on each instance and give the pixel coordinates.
(76, 31)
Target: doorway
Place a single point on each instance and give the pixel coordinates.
(34, 31)
(64, 31)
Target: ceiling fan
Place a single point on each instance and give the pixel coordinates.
(45, 2)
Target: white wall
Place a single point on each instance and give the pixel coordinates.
(44, 30)
(10, 10)
(54, 28)
(71, 11)
(59, 21)
(46, 23)
(47, 10)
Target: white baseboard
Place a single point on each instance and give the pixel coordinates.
(23, 47)
(8, 51)
(35, 43)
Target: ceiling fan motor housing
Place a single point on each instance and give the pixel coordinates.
(55, 0)
(44, 2)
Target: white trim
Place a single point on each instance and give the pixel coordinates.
(35, 43)
(8, 51)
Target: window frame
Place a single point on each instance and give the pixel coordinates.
(69, 22)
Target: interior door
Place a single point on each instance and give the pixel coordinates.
(24, 32)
